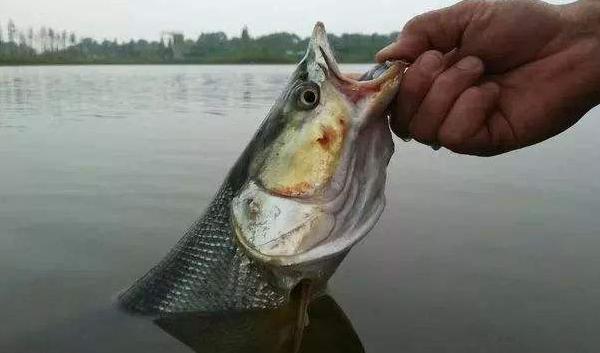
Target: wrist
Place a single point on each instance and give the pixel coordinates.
(591, 8)
(583, 17)
(582, 30)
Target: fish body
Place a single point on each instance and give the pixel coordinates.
(309, 185)
(205, 271)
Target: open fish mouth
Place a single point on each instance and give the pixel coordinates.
(371, 82)
(317, 186)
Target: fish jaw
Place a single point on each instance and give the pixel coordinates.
(317, 188)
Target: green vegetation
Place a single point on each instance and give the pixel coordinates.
(48, 46)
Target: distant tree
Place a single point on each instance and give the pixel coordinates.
(245, 34)
(1, 35)
(11, 30)
(30, 37)
(63, 39)
(72, 39)
(22, 39)
(43, 38)
(51, 38)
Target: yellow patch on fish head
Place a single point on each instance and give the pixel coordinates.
(306, 155)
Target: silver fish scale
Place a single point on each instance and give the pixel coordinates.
(205, 271)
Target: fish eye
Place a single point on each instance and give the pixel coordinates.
(307, 96)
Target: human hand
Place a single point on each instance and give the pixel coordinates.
(493, 76)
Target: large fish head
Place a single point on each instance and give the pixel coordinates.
(317, 166)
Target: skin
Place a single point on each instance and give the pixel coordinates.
(493, 76)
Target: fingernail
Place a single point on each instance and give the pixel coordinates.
(469, 63)
(430, 61)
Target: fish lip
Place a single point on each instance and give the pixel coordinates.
(357, 90)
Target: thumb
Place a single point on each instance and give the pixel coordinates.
(440, 30)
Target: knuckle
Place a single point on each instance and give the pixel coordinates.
(446, 80)
(472, 6)
(414, 22)
(429, 63)
(434, 52)
(470, 64)
(490, 89)
(473, 94)
(475, 3)
(455, 78)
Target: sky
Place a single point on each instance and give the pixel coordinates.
(126, 19)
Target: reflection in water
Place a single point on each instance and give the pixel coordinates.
(266, 331)
(248, 88)
(179, 87)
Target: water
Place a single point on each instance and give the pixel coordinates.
(103, 168)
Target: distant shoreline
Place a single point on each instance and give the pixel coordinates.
(168, 64)
(48, 47)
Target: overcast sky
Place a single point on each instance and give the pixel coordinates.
(124, 19)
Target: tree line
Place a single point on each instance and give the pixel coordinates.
(46, 45)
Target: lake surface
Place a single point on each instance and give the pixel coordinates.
(103, 168)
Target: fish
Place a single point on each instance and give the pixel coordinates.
(308, 186)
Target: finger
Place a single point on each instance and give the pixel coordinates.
(491, 139)
(441, 30)
(480, 144)
(495, 137)
(414, 87)
(468, 115)
(406, 47)
(446, 88)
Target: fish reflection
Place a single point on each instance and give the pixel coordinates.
(265, 331)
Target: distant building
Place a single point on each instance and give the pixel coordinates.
(175, 41)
